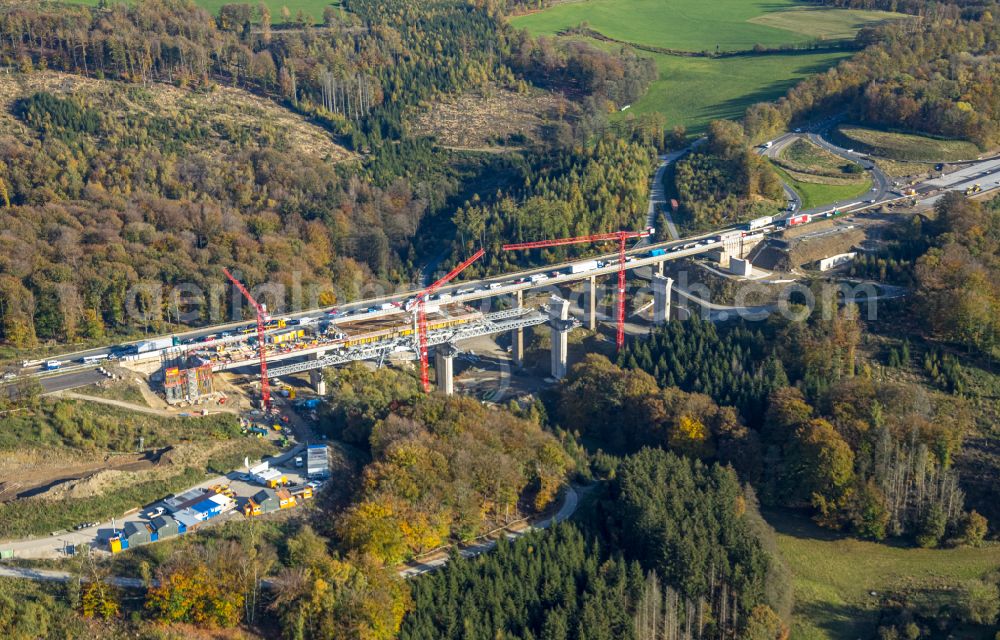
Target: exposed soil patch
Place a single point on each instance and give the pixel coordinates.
(491, 119)
(66, 481)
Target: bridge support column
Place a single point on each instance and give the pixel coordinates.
(661, 298)
(316, 375)
(661, 267)
(561, 325)
(592, 305)
(517, 340)
(444, 368)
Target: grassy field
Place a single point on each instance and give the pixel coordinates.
(834, 576)
(904, 146)
(824, 24)
(815, 194)
(806, 156)
(694, 25)
(694, 91)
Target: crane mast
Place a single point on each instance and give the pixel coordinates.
(262, 317)
(618, 236)
(422, 316)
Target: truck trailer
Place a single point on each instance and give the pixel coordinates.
(147, 346)
(581, 267)
(759, 223)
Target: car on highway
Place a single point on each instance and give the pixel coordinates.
(798, 130)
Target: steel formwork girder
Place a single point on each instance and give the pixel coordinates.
(524, 318)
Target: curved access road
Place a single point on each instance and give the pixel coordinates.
(881, 184)
(571, 500)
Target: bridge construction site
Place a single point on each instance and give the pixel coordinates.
(436, 319)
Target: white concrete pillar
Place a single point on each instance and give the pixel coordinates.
(517, 340)
(592, 305)
(661, 298)
(561, 325)
(316, 375)
(444, 368)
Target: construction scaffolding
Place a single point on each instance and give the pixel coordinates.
(187, 385)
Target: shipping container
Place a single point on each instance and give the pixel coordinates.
(657, 252)
(796, 220)
(759, 223)
(317, 465)
(285, 499)
(284, 337)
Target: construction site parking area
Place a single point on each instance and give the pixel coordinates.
(235, 489)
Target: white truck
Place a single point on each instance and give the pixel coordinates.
(153, 345)
(759, 223)
(582, 267)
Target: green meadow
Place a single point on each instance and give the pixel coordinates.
(695, 25)
(841, 583)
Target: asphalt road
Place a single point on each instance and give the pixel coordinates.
(880, 182)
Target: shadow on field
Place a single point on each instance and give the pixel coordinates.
(799, 525)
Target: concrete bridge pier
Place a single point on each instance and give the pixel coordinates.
(561, 326)
(661, 267)
(592, 304)
(517, 340)
(661, 298)
(444, 368)
(316, 375)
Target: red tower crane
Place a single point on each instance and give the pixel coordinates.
(421, 302)
(621, 237)
(262, 318)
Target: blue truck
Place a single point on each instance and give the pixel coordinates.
(657, 252)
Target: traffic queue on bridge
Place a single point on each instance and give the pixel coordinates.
(286, 333)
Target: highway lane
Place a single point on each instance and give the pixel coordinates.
(490, 287)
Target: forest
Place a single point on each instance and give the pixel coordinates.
(571, 192)
(672, 555)
(866, 455)
(114, 187)
(950, 258)
(725, 181)
(933, 75)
